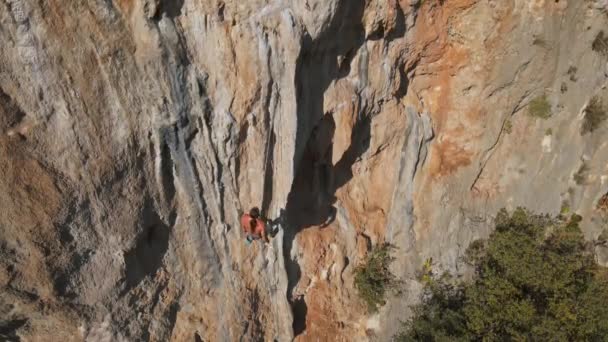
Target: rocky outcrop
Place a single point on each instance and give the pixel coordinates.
(133, 133)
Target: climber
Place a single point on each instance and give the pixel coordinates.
(256, 227)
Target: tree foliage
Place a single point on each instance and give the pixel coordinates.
(373, 278)
(535, 279)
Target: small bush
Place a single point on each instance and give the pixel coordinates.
(572, 70)
(540, 107)
(565, 208)
(602, 204)
(602, 239)
(595, 113)
(508, 128)
(600, 44)
(548, 131)
(373, 278)
(580, 177)
(539, 41)
(425, 275)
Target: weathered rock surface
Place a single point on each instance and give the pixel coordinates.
(134, 132)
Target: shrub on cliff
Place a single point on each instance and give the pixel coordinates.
(373, 278)
(600, 44)
(535, 279)
(595, 113)
(540, 107)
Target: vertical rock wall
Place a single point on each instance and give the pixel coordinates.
(133, 133)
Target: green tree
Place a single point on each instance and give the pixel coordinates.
(535, 279)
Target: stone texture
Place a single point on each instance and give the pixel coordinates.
(134, 132)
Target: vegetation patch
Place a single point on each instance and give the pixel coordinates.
(373, 278)
(595, 113)
(572, 70)
(548, 131)
(535, 280)
(508, 128)
(580, 177)
(565, 208)
(602, 239)
(600, 44)
(602, 204)
(539, 41)
(475, 252)
(540, 107)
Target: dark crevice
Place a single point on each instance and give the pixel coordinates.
(169, 8)
(312, 197)
(166, 166)
(146, 257)
(72, 259)
(172, 317)
(27, 296)
(377, 34)
(267, 194)
(399, 30)
(8, 329)
(253, 328)
(62, 282)
(190, 137)
(63, 226)
(242, 136)
(310, 201)
(600, 44)
(345, 62)
(10, 112)
(404, 83)
(220, 11)
(271, 138)
(317, 66)
(299, 315)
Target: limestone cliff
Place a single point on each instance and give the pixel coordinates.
(133, 133)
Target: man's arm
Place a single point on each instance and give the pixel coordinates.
(264, 236)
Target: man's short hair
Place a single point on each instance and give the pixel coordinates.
(254, 212)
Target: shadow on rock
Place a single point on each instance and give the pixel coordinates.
(310, 202)
(147, 255)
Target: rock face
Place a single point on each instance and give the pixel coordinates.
(133, 133)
